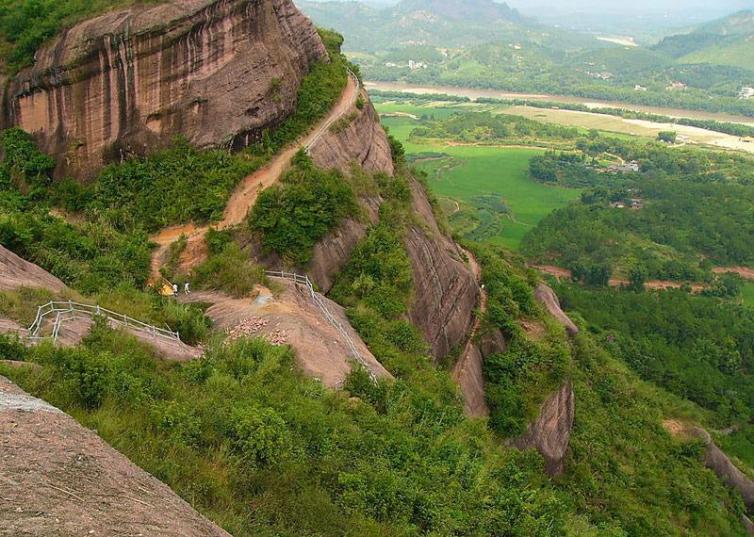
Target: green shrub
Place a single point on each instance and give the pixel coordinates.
(292, 216)
(231, 271)
(260, 436)
(172, 186)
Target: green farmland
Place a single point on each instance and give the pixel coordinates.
(485, 190)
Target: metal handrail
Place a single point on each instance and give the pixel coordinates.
(320, 303)
(61, 308)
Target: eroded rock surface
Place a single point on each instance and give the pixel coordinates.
(469, 375)
(547, 297)
(16, 272)
(217, 72)
(292, 318)
(446, 289)
(61, 479)
(332, 253)
(550, 434)
(362, 141)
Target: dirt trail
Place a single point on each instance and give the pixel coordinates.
(747, 273)
(245, 195)
(565, 274)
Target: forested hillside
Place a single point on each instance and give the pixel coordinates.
(454, 46)
(265, 300)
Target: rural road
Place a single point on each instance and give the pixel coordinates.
(245, 195)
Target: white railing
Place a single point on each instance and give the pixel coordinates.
(320, 303)
(66, 310)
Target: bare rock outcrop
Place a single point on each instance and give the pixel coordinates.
(59, 478)
(446, 290)
(720, 463)
(16, 272)
(547, 297)
(292, 317)
(469, 375)
(492, 342)
(550, 434)
(362, 141)
(332, 253)
(217, 72)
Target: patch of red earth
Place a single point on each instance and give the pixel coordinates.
(747, 273)
(564, 274)
(559, 272)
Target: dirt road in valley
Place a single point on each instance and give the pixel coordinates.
(746, 273)
(245, 195)
(562, 273)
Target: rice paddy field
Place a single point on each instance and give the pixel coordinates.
(485, 190)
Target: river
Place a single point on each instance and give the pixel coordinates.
(473, 94)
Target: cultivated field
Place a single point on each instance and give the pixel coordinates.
(490, 184)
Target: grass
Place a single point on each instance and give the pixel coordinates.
(738, 54)
(474, 171)
(747, 293)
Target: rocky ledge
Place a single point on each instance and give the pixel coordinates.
(217, 72)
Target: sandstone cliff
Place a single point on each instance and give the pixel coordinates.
(547, 297)
(16, 273)
(217, 72)
(550, 434)
(362, 141)
(62, 479)
(446, 289)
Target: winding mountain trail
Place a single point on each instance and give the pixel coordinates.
(245, 195)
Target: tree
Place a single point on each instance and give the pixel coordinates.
(669, 137)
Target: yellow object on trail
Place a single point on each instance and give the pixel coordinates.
(167, 289)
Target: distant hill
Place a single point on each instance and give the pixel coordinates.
(726, 41)
(438, 23)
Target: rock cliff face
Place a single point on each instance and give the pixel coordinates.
(362, 142)
(333, 252)
(551, 432)
(62, 479)
(16, 272)
(469, 375)
(217, 72)
(446, 289)
(717, 461)
(547, 297)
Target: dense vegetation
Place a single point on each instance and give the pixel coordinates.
(485, 127)
(683, 211)
(295, 214)
(696, 347)
(242, 428)
(89, 256)
(517, 380)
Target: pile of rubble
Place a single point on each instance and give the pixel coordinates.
(252, 327)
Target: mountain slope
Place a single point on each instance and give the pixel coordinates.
(727, 41)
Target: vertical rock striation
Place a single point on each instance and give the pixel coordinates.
(361, 141)
(446, 289)
(217, 72)
(550, 434)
